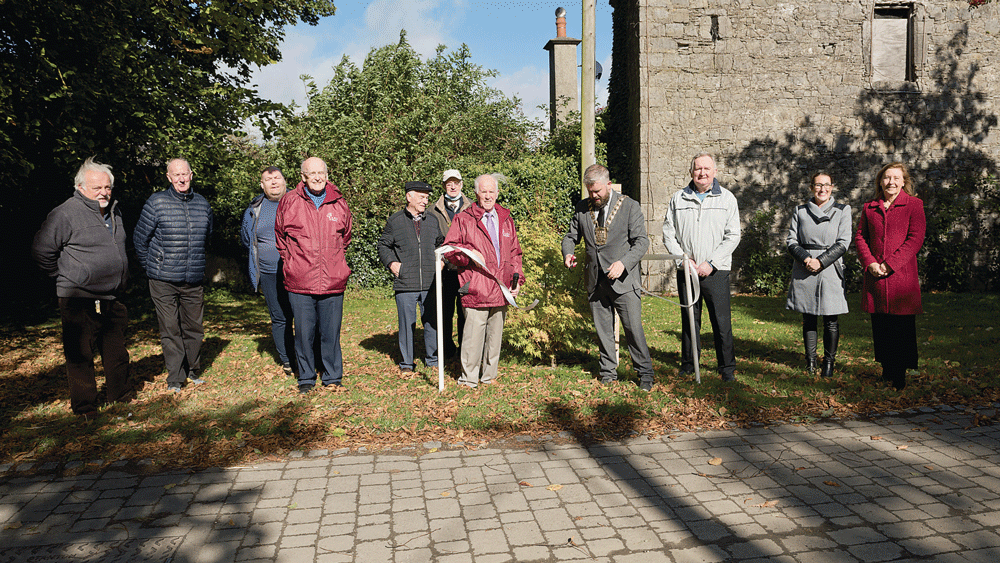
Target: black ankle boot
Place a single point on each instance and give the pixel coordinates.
(809, 339)
(898, 378)
(831, 339)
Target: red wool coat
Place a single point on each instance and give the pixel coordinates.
(893, 236)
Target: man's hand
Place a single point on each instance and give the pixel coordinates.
(704, 269)
(813, 265)
(615, 270)
(570, 260)
(394, 268)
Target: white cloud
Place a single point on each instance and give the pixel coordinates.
(315, 50)
(531, 85)
(425, 22)
(301, 53)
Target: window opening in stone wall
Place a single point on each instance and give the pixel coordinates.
(892, 45)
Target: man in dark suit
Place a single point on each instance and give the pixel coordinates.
(614, 229)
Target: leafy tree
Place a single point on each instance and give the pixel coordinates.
(132, 78)
(399, 118)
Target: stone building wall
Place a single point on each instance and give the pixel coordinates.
(779, 89)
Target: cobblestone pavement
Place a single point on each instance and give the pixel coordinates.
(914, 486)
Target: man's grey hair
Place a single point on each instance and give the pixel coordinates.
(173, 160)
(699, 155)
(596, 173)
(480, 179)
(90, 165)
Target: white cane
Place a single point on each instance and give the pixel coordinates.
(692, 290)
(439, 263)
(691, 277)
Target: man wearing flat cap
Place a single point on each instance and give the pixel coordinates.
(406, 247)
(451, 203)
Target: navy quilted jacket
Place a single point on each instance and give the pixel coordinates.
(171, 235)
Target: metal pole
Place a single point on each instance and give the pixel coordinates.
(587, 96)
(440, 319)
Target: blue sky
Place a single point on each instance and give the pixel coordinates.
(505, 36)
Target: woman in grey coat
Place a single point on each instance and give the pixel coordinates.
(818, 237)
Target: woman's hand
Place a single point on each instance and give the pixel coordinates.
(879, 270)
(813, 265)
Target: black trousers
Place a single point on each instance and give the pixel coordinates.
(894, 338)
(715, 294)
(89, 325)
(450, 302)
(180, 309)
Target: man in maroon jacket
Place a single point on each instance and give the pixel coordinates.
(487, 231)
(312, 230)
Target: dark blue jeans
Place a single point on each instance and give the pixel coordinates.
(320, 314)
(276, 298)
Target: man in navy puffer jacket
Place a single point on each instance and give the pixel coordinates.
(170, 240)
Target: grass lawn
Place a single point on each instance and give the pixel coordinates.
(250, 410)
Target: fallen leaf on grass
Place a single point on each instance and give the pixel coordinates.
(554, 487)
(715, 461)
(831, 483)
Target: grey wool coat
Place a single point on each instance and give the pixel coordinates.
(823, 233)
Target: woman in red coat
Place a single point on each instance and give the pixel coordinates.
(889, 236)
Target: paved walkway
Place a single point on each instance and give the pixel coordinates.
(916, 486)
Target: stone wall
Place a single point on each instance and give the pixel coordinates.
(779, 89)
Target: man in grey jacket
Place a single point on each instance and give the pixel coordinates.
(406, 247)
(614, 229)
(703, 223)
(82, 245)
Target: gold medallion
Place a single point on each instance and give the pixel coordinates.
(601, 235)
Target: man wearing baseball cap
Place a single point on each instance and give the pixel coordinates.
(406, 247)
(451, 203)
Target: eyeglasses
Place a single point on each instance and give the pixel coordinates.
(821, 186)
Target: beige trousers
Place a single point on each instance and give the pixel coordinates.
(481, 344)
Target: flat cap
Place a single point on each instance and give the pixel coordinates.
(418, 187)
